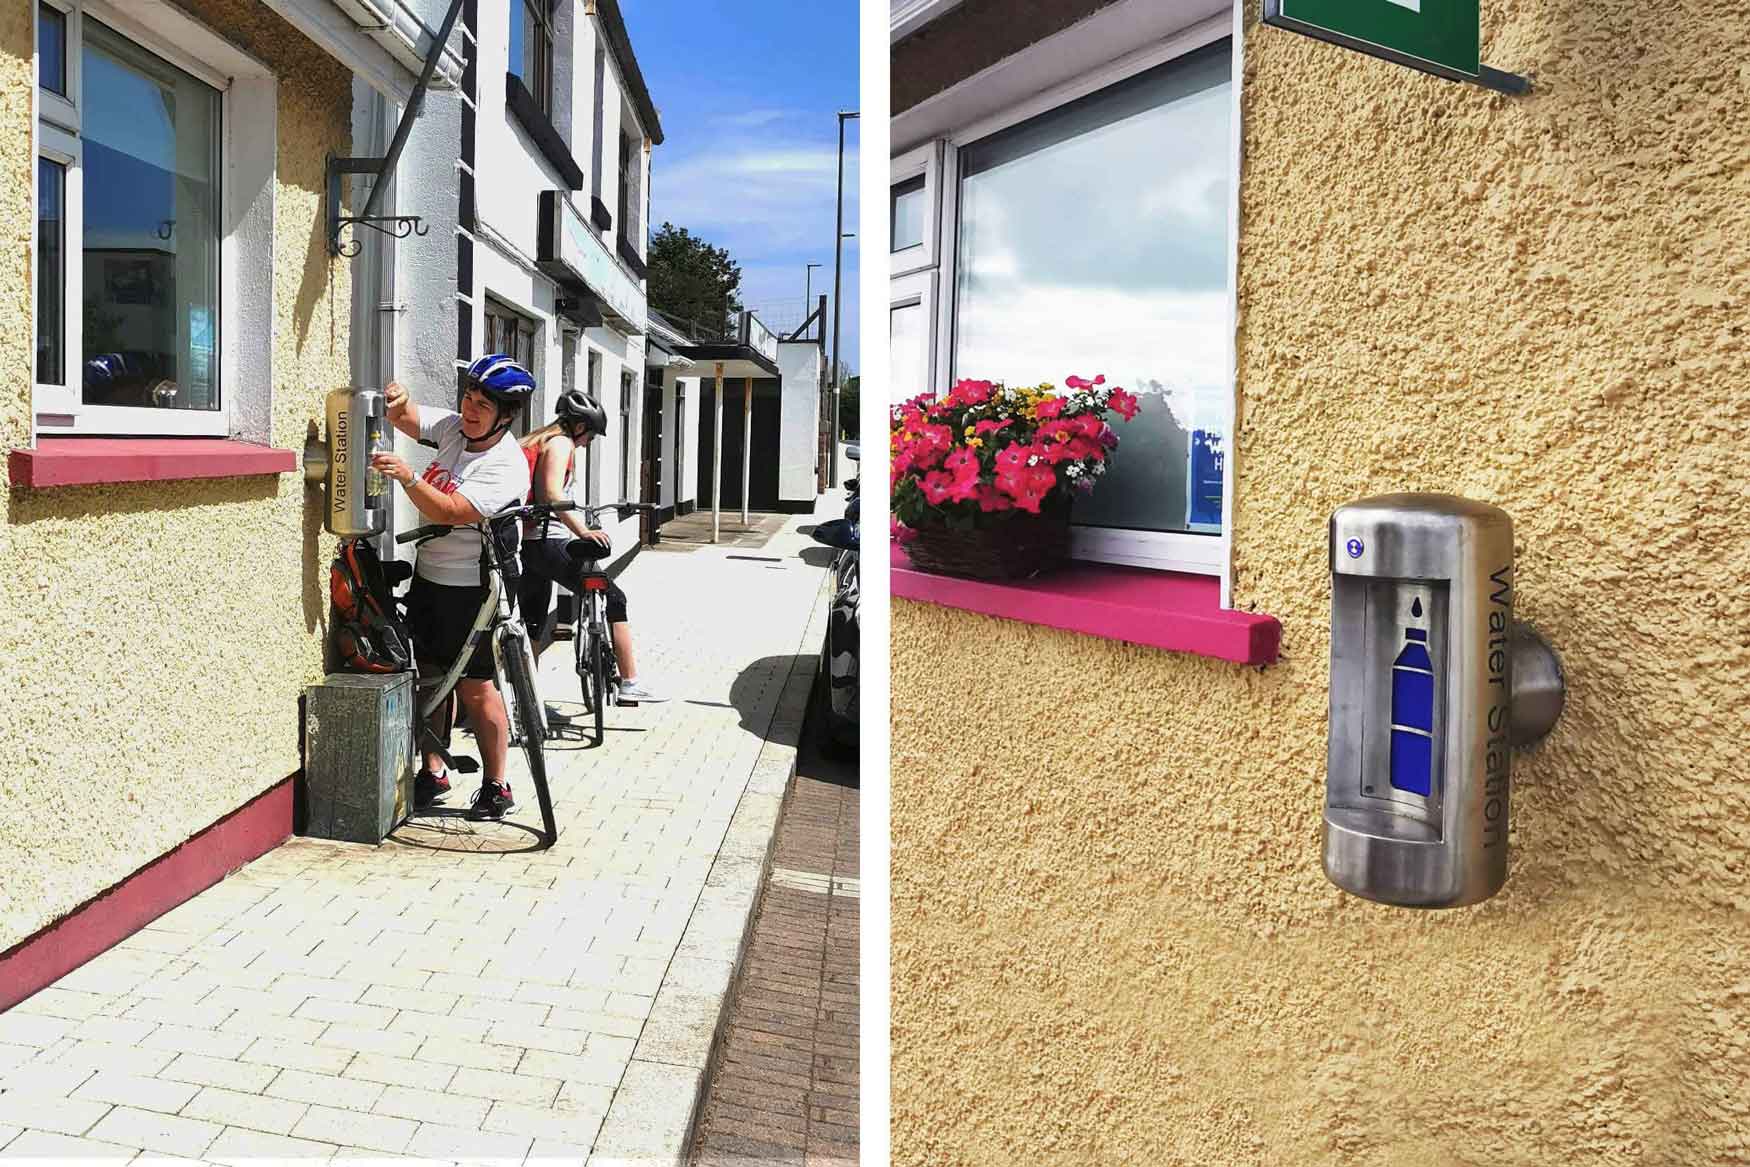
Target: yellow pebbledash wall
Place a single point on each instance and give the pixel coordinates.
(1112, 940)
(155, 637)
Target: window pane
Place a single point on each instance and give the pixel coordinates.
(908, 214)
(51, 49)
(519, 45)
(51, 275)
(908, 353)
(1093, 239)
(151, 261)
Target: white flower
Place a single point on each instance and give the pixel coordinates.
(1033, 460)
(1099, 468)
(1074, 470)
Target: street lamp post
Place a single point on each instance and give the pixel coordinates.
(838, 244)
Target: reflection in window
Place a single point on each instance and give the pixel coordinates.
(908, 352)
(51, 49)
(51, 269)
(151, 261)
(908, 214)
(625, 435)
(531, 49)
(1094, 239)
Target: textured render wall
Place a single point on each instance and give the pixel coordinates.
(156, 636)
(1111, 938)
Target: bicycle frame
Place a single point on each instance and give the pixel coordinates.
(498, 617)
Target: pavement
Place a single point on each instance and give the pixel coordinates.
(784, 1085)
(422, 998)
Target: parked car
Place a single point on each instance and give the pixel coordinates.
(837, 689)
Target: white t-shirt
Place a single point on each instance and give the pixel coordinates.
(491, 480)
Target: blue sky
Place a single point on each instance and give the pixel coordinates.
(748, 95)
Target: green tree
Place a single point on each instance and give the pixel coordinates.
(690, 280)
(848, 399)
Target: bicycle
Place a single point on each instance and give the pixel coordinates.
(598, 672)
(513, 658)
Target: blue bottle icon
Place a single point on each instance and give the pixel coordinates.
(1412, 712)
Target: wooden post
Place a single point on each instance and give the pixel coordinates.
(717, 460)
(746, 442)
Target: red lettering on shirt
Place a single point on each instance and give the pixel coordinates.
(440, 478)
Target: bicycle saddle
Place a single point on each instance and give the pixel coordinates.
(586, 551)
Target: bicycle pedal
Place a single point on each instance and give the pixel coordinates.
(462, 764)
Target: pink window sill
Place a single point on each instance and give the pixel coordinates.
(91, 461)
(1161, 609)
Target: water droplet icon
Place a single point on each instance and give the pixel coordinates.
(1416, 607)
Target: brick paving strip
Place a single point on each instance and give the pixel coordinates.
(784, 1091)
(422, 999)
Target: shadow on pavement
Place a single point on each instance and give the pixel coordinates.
(754, 692)
(817, 556)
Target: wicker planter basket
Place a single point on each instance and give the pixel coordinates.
(1016, 545)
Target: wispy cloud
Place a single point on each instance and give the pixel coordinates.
(752, 119)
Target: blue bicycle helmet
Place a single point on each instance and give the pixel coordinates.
(507, 383)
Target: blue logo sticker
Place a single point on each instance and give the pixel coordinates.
(1355, 548)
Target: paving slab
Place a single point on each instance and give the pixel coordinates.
(454, 994)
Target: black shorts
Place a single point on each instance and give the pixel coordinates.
(544, 563)
(440, 616)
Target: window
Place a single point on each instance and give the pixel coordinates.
(910, 318)
(51, 49)
(1095, 238)
(531, 49)
(914, 209)
(513, 334)
(130, 225)
(628, 185)
(595, 393)
(908, 214)
(626, 386)
(51, 273)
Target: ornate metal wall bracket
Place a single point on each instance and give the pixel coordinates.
(396, 226)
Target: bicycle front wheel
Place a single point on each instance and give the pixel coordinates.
(534, 733)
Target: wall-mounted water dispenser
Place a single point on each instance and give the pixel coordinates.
(358, 497)
(1432, 684)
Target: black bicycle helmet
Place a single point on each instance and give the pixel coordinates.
(579, 408)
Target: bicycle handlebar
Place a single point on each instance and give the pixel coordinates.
(520, 509)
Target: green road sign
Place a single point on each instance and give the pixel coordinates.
(1436, 36)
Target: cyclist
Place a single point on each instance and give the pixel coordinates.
(551, 453)
(477, 472)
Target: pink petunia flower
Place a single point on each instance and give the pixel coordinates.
(937, 486)
(991, 500)
(1078, 382)
(962, 463)
(1012, 457)
(1051, 407)
(1088, 425)
(1124, 403)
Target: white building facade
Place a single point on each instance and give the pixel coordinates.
(532, 191)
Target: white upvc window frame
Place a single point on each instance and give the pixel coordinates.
(1194, 553)
(247, 147)
(917, 290)
(924, 162)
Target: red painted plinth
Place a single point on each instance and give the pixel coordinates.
(247, 833)
(92, 461)
(1161, 609)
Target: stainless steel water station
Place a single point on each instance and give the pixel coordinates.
(1432, 684)
(358, 497)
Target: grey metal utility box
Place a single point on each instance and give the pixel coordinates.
(358, 756)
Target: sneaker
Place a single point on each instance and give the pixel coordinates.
(556, 716)
(634, 693)
(492, 801)
(429, 788)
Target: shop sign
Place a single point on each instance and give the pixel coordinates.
(1442, 37)
(758, 337)
(568, 248)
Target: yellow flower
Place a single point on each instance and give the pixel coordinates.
(974, 443)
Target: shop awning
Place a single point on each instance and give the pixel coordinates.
(383, 42)
(751, 352)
